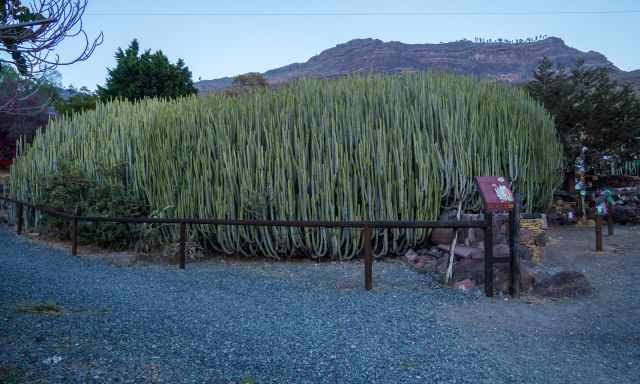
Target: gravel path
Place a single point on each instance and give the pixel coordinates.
(259, 322)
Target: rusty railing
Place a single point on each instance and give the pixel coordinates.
(366, 227)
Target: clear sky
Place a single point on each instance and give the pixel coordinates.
(215, 45)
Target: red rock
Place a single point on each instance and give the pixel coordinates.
(465, 285)
(425, 264)
(411, 256)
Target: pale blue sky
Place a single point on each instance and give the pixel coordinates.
(225, 45)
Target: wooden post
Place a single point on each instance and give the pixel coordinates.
(19, 217)
(514, 220)
(610, 218)
(579, 213)
(368, 258)
(74, 237)
(183, 245)
(598, 233)
(488, 254)
(74, 233)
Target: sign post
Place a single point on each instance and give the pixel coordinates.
(497, 197)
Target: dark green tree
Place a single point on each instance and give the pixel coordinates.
(250, 80)
(247, 83)
(137, 76)
(591, 110)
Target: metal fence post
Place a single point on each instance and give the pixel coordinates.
(514, 237)
(488, 254)
(19, 217)
(183, 245)
(368, 258)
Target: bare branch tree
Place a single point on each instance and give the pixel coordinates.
(29, 36)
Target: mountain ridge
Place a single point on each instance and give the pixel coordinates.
(508, 62)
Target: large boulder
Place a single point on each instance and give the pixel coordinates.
(563, 284)
(626, 214)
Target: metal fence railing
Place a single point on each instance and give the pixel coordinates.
(365, 226)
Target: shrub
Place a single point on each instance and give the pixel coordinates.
(70, 189)
(359, 148)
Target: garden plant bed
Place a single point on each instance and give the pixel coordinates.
(267, 322)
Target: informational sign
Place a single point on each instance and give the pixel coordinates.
(495, 192)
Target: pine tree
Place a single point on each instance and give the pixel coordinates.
(137, 76)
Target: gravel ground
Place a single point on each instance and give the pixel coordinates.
(259, 322)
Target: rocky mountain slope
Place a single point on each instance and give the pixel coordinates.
(508, 62)
(632, 78)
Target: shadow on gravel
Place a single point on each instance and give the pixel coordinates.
(9, 375)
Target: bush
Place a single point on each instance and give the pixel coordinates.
(358, 148)
(69, 189)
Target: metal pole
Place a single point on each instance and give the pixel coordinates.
(514, 237)
(19, 217)
(368, 258)
(598, 233)
(183, 245)
(610, 218)
(488, 254)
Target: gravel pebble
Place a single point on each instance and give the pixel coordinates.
(264, 322)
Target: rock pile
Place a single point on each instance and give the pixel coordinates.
(626, 207)
(533, 239)
(468, 270)
(622, 192)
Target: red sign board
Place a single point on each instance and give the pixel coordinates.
(495, 192)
